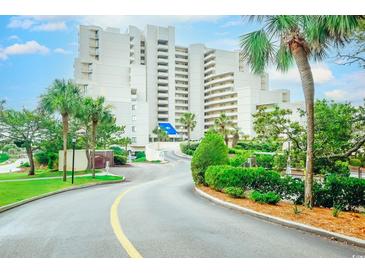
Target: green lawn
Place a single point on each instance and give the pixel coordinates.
(39, 174)
(12, 192)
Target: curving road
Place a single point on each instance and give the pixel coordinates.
(161, 216)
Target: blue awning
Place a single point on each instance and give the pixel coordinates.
(168, 128)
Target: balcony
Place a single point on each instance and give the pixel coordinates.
(159, 108)
(163, 81)
(164, 47)
(162, 95)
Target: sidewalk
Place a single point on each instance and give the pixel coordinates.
(55, 177)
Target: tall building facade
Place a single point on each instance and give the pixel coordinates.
(148, 79)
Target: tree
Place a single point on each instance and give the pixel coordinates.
(223, 125)
(235, 136)
(160, 134)
(25, 129)
(357, 53)
(125, 141)
(339, 131)
(285, 39)
(97, 111)
(62, 97)
(188, 121)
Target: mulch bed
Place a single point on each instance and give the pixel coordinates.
(347, 223)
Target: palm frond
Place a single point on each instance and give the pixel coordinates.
(284, 58)
(257, 50)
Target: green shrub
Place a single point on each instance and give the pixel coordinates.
(140, 160)
(220, 177)
(355, 162)
(120, 159)
(336, 210)
(140, 154)
(280, 161)
(189, 148)
(24, 165)
(265, 160)
(4, 157)
(235, 192)
(117, 150)
(211, 151)
(45, 158)
(238, 160)
(258, 146)
(265, 198)
(340, 190)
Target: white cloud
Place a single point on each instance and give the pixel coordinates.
(52, 26)
(38, 23)
(19, 23)
(123, 21)
(345, 95)
(226, 44)
(321, 74)
(30, 47)
(232, 23)
(61, 51)
(14, 37)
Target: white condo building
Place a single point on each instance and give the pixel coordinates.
(148, 79)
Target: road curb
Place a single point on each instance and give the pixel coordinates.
(303, 227)
(20, 203)
(182, 155)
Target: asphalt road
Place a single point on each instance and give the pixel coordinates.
(160, 215)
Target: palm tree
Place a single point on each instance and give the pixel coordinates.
(97, 111)
(285, 39)
(223, 125)
(235, 136)
(62, 97)
(188, 121)
(161, 135)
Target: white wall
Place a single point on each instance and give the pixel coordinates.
(80, 160)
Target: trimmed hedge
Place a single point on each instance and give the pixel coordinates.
(120, 159)
(189, 148)
(211, 151)
(335, 190)
(4, 157)
(265, 198)
(234, 192)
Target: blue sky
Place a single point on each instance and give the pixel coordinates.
(34, 50)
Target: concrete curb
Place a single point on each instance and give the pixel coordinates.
(182, 155)
(20, 203)
(303, 227)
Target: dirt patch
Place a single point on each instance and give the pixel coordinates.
(347, 223)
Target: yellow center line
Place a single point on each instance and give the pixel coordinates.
(114, 220)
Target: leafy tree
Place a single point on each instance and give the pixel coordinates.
(285, 39)
(188, 121)
(357, 54)
(25, 129)
(125, 141)
(223, 125)
(339, 132)
(160, 134)
(64, 98)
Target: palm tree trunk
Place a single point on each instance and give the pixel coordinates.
(188, 135)
(87, 152)
(306, 76)
(93, 148)
(31, 160)
(65, 133)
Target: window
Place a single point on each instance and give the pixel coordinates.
(134, 117)
(133, 128)
(134, 107)
(134, 139)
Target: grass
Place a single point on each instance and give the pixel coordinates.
(11, 192)
(144, 160)
(4, 157)
(40, 173)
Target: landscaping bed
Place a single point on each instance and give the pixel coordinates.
(347, 223)
(11, 192)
